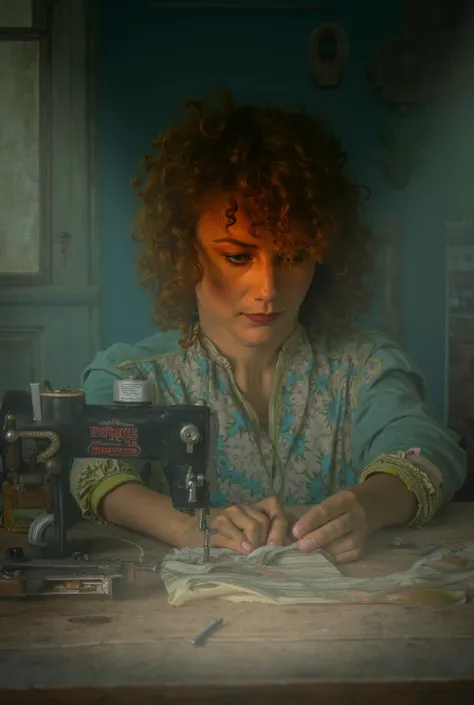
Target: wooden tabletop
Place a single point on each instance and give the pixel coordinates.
(89, 650)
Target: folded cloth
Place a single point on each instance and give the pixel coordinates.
(284, 575)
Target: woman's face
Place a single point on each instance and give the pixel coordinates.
(247, 291)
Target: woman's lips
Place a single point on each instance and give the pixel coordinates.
(263, 319)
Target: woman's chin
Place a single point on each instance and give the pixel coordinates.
(259, 335)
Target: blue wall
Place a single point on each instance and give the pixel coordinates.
(153, 58)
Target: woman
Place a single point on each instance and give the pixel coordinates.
(252, 232)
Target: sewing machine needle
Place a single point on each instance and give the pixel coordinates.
(206, 551)
(207, 631)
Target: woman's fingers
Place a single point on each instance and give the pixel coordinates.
(347, 548)
(278, 521)
(226, 528)
(244, 528)
(253, 522)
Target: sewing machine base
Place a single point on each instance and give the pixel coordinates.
(23, 575)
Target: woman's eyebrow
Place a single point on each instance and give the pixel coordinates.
(233, 241)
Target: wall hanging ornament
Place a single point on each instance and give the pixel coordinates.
(328, 51)
(407, 71)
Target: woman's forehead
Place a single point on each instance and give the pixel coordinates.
(216, 219)
(226, 214)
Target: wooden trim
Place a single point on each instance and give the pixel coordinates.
(20, 34)
(93, 11)
(40, 32)
(62, 28)
(93, 23)
(49, 295)
(406, 692)
(45, 147)
(296, 6)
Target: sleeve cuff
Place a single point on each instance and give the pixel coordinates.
(94, 479)
(105, 487)
(415, 478)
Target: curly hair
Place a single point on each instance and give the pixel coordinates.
(286, 168)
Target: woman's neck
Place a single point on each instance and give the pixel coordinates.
(253, 368)
(248, 362)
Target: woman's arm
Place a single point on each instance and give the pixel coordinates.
(113, 490)
(342, 523)
(148, 512)
(386, 502)
(395, 433)
(409, 463)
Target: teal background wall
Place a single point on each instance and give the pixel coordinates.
(152, 58)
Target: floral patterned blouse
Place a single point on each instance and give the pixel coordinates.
(340, 411)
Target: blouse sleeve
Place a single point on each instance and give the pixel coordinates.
(92, 479)
(394, 430)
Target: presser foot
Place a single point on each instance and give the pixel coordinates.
(204, 526)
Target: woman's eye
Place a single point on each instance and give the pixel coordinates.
(237, 260)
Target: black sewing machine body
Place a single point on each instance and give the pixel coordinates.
(128, 433)
(43, 433)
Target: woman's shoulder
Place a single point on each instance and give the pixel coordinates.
(122, 360)
(120, 354)
(355, 346)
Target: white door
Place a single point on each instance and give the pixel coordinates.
(49, 241)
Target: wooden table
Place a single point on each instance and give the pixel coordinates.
(88, 650)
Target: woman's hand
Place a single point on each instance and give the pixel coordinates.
(243, 528)
(338, 525)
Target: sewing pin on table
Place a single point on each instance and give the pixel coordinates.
(200, 638)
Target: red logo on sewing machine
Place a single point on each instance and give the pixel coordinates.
(115, 432)
(114, 438)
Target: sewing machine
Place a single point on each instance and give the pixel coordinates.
(44, 431)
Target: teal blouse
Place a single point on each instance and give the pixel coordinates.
(339, 410)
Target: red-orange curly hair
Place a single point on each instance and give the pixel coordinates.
(286, 167)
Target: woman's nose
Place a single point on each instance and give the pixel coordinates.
(265, 282)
